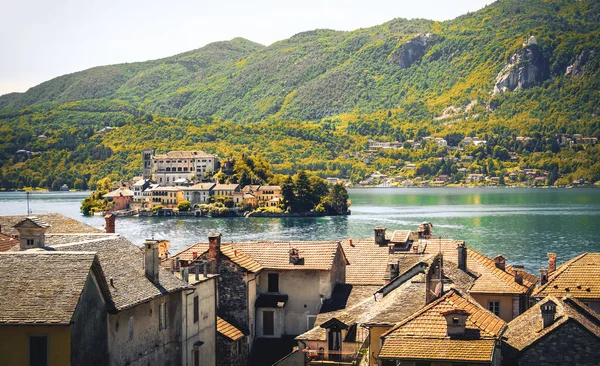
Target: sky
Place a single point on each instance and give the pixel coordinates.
(41, 39)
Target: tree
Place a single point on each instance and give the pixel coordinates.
(303, 192)
(184, 205)
(287, 193)
(338, 199)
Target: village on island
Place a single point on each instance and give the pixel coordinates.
(73, 294)
(181, 183)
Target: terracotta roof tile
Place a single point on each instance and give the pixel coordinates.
(424, 334)
(526, 329)
(228, 330)
(579, 277)
(7, 242)
(42, 287)
(184, 155)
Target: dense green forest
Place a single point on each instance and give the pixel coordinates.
(313, 101)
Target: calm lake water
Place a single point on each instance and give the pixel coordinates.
(523, 224)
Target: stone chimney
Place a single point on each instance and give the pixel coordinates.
(462, 257)
(543, 276)
(151, 260)
(456, 321)
(295, 258)
(110, 223)
(393, 270)
(380, 235)
(548, 310)
(214, 250)
(500, 262)
(551, 262)
(32, 233)
(518, 274)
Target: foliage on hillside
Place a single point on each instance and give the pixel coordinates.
(312, 101)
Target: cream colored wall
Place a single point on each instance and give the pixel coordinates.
(14, 344)
(375, 334)
(279, 322)
(506, 304)
(303, 288)
(149, 345)
(205, 329)
(252, 281)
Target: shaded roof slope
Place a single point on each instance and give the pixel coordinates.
(58, 224)
(41, 287)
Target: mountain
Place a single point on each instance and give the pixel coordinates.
(514, 68)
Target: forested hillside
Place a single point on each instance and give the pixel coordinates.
(314, 100)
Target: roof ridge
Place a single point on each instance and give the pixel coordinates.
(108, 237)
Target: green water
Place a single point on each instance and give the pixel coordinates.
(522, 224)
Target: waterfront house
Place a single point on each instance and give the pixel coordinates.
(267, 194)
(167, 197)
(555, 331)
(54, 307)
(451, 330)
(578, 277)
(225, 191)
(198, 194)
(119, 199)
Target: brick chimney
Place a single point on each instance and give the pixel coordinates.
(380, 235)
(462, 256)
(551, 262)
(110, 223)
(543, 276)
(214, 250)
(32, 233)
(456, 321)
(518, 274)
(548, 310)
(151, 260)
(500, 262)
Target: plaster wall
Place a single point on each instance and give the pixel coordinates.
(506, 304)
(150, 345)
(205, 329)
(14, 344)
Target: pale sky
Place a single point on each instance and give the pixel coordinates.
(43, 39)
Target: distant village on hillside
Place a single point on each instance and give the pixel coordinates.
(72, 294)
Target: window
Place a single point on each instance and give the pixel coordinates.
(196, 309)
(29, 242)
(131, 328)
(160, 317)
(273, 282)
(38, 350)
(196, 357)
(310, 321)
(268, 322)
(494, 307)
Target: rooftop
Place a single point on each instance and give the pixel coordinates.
(526, 329)
(58, 224)
(577, 277)
(7, 242)
(40, 287)
(184, 155)
(228, 330)
(424, 335)
(121, 192)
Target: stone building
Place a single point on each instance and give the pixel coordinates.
(150, 315)
(555, 331)
(268, 290)
(167, 168)
(54, 309)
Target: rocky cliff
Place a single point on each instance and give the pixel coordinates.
(412, 51)
(525, 68)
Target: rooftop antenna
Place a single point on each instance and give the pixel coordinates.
(28, 210)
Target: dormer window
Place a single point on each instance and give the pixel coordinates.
(29, 242)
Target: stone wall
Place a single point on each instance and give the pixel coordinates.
(234, 353)
(569, 344)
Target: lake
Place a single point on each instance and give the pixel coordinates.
(523, 224)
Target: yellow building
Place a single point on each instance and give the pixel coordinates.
(225, 191)
(166, 196)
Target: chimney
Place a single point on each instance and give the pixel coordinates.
(32, 233)
(500, 262)
(548, 310)
(543, 276)
(295, 257)
(456, 320)
(393, 270)
(380, 235)
(151, 260)
(551, 262)
(462, 257)
(518, 274)
(110, 223)
(214, 250)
